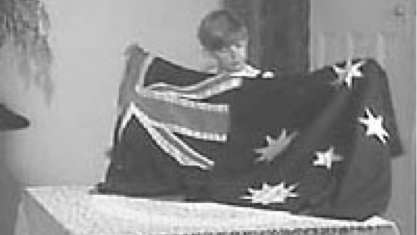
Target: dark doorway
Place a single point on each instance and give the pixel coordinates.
(279, 31)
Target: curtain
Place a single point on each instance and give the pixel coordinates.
(279, 33)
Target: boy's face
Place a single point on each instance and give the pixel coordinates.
(232, 58)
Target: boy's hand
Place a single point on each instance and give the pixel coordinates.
(135, 59)
(126, 96)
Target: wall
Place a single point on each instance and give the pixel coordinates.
(67, 141)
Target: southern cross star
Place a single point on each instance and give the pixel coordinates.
(271, 194)
(274, 146)
(327, 158)
(374, 126)
(346, 74)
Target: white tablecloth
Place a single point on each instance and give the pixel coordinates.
(72, 210)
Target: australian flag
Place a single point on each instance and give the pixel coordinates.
(318, 143)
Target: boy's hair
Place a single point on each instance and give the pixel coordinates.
(220, 29)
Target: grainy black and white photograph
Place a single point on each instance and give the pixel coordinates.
(154, 117)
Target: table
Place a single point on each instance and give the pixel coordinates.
(72, 210)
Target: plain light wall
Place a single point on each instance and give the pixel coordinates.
(68, 138)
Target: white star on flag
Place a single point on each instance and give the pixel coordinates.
(274, 147)
(271, 194)
(346, 74)
(327, 158)
(374, 126)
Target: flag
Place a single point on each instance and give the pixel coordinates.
(318, 143)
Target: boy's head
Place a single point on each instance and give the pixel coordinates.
(225, 37)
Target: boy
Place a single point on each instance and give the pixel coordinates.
(223, 35)
(225, 38)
